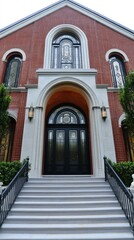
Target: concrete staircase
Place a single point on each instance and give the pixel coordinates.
(66, 208)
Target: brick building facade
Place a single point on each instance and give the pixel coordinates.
(65, 64)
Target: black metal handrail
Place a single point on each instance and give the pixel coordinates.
(123, 194)
(8, 196)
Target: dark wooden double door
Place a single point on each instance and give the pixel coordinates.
(67, 151)
(66, 144)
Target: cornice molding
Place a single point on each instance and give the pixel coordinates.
(80, 71)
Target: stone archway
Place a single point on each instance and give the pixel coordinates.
(76, 160)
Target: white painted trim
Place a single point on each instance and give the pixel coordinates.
(69, 81)
(12, 50)
(54, 7)
(116, 50)
(60, 71)
(13, 114)
(77, 31)
(121, 118)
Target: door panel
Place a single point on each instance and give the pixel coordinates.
(60, 150)
(73, 151)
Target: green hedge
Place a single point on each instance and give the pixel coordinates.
(8, 170)
(125, 171)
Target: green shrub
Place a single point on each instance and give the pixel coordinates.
(8, 170)
(125, 171)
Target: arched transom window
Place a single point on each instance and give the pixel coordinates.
(66, 115)
(66, 52)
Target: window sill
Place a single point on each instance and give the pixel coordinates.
(16, 89)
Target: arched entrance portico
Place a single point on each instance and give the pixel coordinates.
(66, 142)
(63, 91)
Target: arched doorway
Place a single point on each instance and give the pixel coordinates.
(66, 142)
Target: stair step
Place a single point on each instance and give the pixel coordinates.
(65, 228)
(66, 182)
(84, 204)
(68, 177)
(61, 198)
(67, 219)
(65, 188)
(65, 192)
(50, 198)
(66, 211)
(83, 236)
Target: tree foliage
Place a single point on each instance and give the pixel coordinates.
(8, 170)
(5, 100)
(124, 170)
(126, 96)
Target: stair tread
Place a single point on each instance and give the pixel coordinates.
(60, 203)
(68, 217)
(65, 186)
(67, 209)
(66, 181)
(65, 226)
(83, 236)
(65, 190)
(62, 196)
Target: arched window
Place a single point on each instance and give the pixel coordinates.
(117, 70)
(12, 71)
(66, 51)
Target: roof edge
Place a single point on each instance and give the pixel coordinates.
(74, 5)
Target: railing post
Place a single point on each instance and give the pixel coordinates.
(132, 185)
(0, 209)
(1, 202)
(105, 168)
(27, 169)
(1, 183)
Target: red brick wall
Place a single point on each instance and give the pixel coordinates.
(18, 103)
(116, 111)
(31, 39)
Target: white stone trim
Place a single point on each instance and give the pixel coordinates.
(102, 142)
(13, 114)
(69, 81)
(12, 50)
(39, 125)
(121, 118)
(75, 30)
(116, 50)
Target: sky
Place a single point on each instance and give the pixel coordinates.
(120, 11)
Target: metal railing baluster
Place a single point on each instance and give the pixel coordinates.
(8, 196)
(123, 194)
